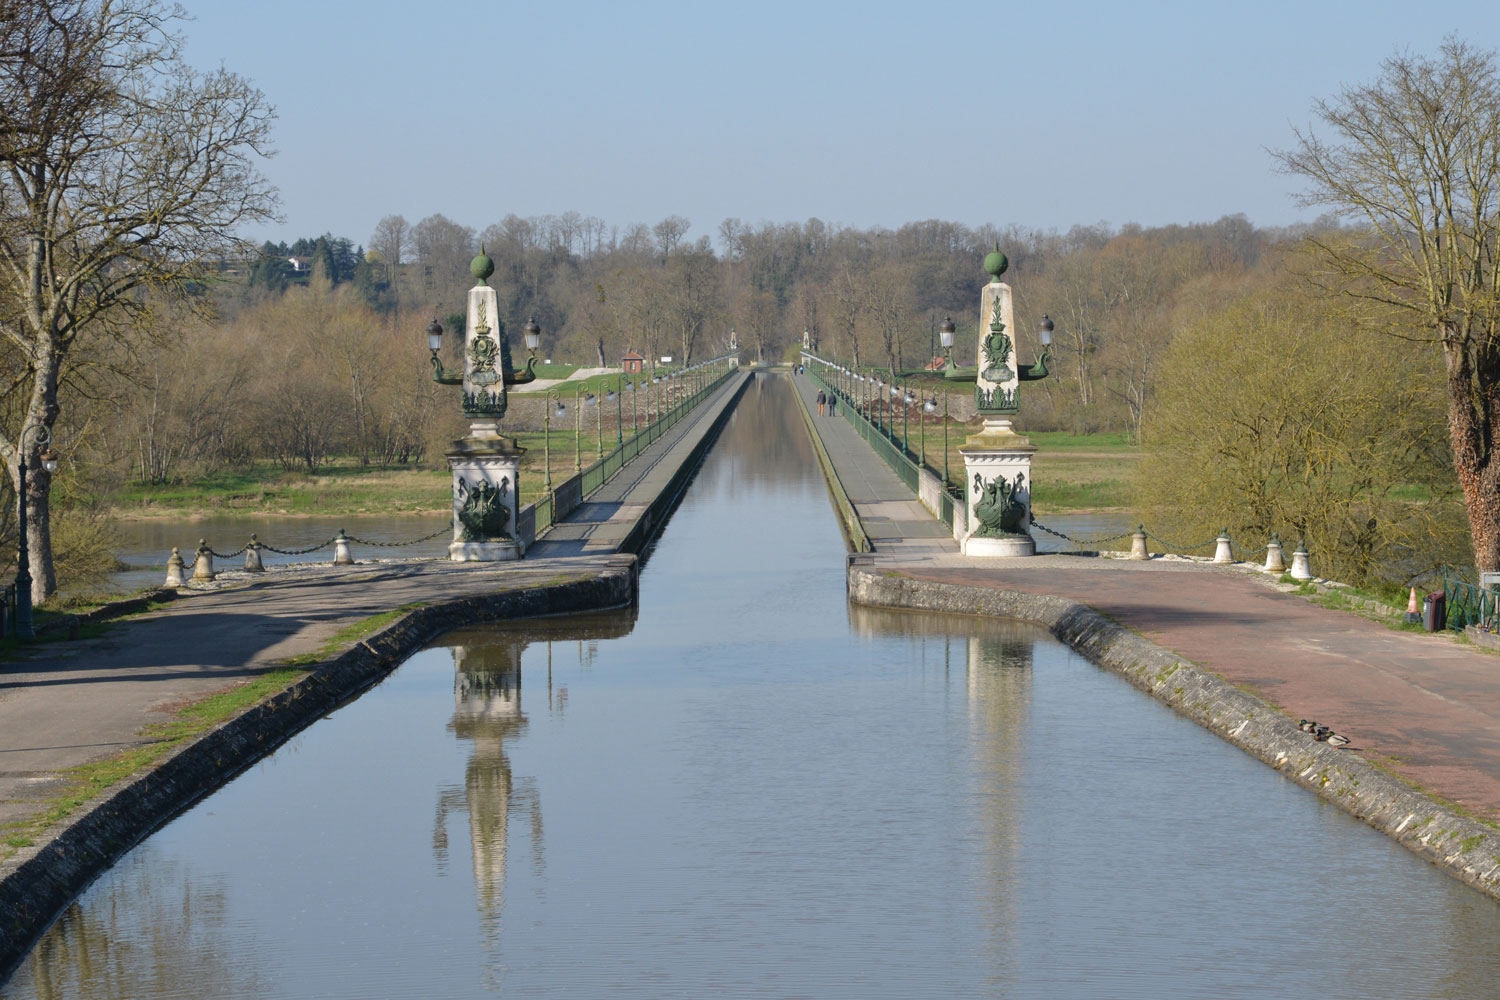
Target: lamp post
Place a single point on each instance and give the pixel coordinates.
(928, 406)
(578, 428)
(906, 400)
(617, 392)
(554, 405)
(599, 426)
(945, 335)
(41, 438)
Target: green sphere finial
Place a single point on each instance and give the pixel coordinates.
(995, 263)
(481, 267)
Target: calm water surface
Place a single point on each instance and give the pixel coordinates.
(753, 790)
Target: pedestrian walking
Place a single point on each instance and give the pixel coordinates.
(830, 404)
(822, 403)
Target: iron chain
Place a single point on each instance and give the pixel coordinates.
(395, 545)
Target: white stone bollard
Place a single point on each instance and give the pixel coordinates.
(1274, 561)
(341, 556)
(1301, 569)
(1138, 548)
(1223, 554)
(203, 563)
(175, 568)
(252, 557)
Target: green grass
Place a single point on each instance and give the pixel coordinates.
(85, 782)
(341, 487)
(350, 634)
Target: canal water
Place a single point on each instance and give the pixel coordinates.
(750, 789)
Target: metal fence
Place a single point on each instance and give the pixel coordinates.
(1470, 604)
(549, 509)
(900, 460)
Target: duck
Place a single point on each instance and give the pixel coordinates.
(1322, 733)
(1307, 726)
(1335, 740)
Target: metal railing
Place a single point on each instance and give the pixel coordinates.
(1470, 604)
(549, 511)
(901, 461)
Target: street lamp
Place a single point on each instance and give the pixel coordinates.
(41, 438)
(945, 335)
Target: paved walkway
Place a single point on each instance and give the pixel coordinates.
(1425, 706)
(607, 516)
(898, 526)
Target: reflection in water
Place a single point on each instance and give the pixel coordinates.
(996, 660)
(156, 936)
(486, 714)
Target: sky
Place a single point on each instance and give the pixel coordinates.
(1045, 115)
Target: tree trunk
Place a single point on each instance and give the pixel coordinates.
(39, 532)
(1474, 460)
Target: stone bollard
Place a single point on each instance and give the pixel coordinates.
(175, 567)
(1138, 548)
(1301, 569)
(1223, 554)
(341, 556)
(203, 563)
(252, 557)
(1274, 561)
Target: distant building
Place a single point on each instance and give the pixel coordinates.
(634, 362)
(300, 264)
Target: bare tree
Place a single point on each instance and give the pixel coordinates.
(669, 232)
(123, 175)
(1414, 158)
(391, 241)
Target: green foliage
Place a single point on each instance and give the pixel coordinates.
(1282, 417)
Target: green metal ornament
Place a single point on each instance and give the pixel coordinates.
(995, 263)
(481, 267)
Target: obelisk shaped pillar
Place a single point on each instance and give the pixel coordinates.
(485, 463)
(997, 460)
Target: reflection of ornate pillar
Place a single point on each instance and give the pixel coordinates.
(487, 712)
(999, 683)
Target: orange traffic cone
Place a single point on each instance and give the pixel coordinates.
(1413, 609)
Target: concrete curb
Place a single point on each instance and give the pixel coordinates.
(39, 883)
(1460, 845)
(855, 539)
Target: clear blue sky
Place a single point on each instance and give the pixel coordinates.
(878, 113)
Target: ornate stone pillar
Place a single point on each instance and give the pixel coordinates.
(997, 460)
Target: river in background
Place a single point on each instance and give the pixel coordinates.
(749, 788)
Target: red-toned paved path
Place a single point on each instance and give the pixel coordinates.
(1425, 705)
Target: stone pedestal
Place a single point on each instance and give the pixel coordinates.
(484, 466)
(997, 477)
